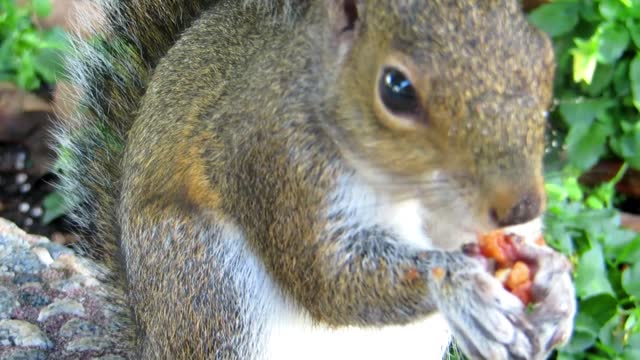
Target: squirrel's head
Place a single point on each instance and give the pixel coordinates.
(444, 101)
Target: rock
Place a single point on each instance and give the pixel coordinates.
(23, 334)
(64, 306)
(79, 328)
(34, 300)
(89, 344)
(19, 259)
(25, 354)
(23, 278)
(43, 254)
(56, 250)
(8, 302)
(109, 357)
(44, 288)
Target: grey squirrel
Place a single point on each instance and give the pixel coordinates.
(295, 179)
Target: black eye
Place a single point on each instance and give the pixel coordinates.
(397, 92)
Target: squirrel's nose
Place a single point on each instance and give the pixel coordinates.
(510, 208)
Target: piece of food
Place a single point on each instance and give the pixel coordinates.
(510, 269)
(519, 275)
(523, 292)
(498, 246)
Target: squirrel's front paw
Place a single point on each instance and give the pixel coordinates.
(554, 303)
(488, 322)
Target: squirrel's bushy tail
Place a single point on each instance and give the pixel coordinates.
(108, 72)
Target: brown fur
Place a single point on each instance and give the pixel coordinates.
(251, 122)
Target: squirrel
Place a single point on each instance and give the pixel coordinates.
(296, 179)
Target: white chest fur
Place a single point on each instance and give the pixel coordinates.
(295, 337)
(292, 335)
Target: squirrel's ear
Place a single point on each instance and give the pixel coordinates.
(343, 18)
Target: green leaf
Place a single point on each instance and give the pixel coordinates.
(581, 112)
(54, 206)
(621, 78)
(555, 18)
(585, 59)
(631, 280)
(591, 274)
(42, 7)
(622, 246)
(586, 145)
(584, 335)
(627, 146)
(610, 334)
(556, 192)
(600, 308)
(631, 354)
(48, 65)
(634, 77)
(613, 40)
(594, 203)
(613, 9)
(634, 31)
(601, 79)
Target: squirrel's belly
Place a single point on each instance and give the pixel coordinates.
(294, 337)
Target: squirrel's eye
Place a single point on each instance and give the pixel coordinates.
(397, 92)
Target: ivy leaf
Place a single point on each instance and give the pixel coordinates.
(582, 112)
(627, 146)
(591, 274)
(613, 40)
(631, 280)
(622, 246)
(584, 334)
(54, 206)
(634, 31)
(601, 79)
(585, 59)
(634, 76)
(585, 145)
(621, 78)
(600, 308)
(613, 9)
(556, 18)
(610, 336)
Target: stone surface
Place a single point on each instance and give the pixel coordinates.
(8, 303)
(56, 250)
(23, 278)
(108, 357)
(79, 328)
(25, 354)
(89, 344)
(18, 259)
(34, 299)
(50, 303)
(23, 334)
(61, 307)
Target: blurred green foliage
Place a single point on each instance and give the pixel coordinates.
(598, 77)
(29, 56)
(583, 224)
(597, 88)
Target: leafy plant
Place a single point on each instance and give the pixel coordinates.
(597, 45)
(597, 84)
(584, 225)
(28, 56)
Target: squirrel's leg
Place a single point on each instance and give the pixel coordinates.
(186, 287)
